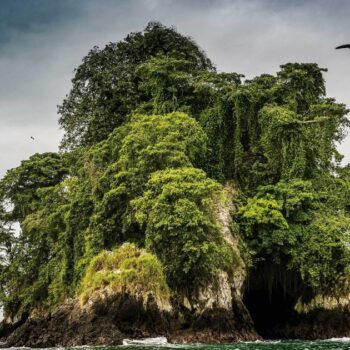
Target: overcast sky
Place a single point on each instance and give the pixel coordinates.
(42, 41)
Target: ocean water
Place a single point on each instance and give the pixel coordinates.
(331, 344)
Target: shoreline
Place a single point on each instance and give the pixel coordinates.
(71, 326)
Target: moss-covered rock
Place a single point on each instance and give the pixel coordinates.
(126, 270)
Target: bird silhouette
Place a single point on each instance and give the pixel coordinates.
(346, 46)
(32, 138)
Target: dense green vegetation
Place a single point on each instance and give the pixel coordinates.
(152, 132)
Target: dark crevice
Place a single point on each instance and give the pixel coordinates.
(270, 300)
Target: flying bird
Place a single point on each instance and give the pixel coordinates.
(346, 46)
(32, 138)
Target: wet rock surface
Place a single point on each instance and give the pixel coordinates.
(317, 324)
(108, 323)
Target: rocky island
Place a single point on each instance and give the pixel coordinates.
(184, 202)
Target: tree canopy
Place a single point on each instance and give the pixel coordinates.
(108, 85)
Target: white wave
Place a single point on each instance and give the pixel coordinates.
(17, 347)
(146, 341)
(261, 341)
(343, 340)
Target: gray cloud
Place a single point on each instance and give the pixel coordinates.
(41, 42)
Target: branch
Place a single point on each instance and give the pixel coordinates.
(321, 119)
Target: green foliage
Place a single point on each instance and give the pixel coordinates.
(152, 143)
(19, 186)
(91, 210)
(125, 269)
(39, 262)
(106, 87)
(322, 255)
(283, 142)
(177, 212)
(168, 82)
(302, 85)
(7, 240)
(263, 211)
(288, 224)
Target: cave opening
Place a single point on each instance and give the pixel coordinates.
(270, 298)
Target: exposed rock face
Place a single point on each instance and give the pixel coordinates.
(316, 324)
(99, 323)
(224, 208)
(217, 295)
(225, 290)
(322, 317)
(108, 322)
(216, 313)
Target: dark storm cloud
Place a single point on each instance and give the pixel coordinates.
(42, 41)
(21, 17)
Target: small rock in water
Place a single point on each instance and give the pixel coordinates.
(146, 341)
